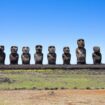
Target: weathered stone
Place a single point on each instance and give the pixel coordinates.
(5, 79)
(51, 56)
(66, 56)
(81, 52)
(25, 55)
(38, 56)
(14, 55)
(97, 57)
(2, 55)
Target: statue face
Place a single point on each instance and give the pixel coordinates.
(96, 49)
(14, 49)
(81, 43)
(1, 48)
(38, 49)
(66, 49)
(25, 49)
(51, 49)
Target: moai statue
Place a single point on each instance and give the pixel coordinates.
(38, 56)
(97, 57)
(81, 52)
(66, 56)
(2, 55)
(25, 55)
(51, 56)
(14, 55)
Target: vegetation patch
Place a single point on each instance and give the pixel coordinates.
(51, 79)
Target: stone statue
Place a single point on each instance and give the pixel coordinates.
(97, 57)
(38, 56)
(2, 55)
(51, 56)
(81, 52)
(66, 56)
(25, 55)
(14, 55)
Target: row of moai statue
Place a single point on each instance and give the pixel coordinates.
(81, 53)
(51, 56)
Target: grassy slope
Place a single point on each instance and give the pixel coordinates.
(42, 79)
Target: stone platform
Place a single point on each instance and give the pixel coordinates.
(65, 67)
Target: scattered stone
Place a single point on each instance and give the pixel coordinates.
(3, 80)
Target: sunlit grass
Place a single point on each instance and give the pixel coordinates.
(41, 79)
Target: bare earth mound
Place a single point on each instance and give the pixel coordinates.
(52, 97)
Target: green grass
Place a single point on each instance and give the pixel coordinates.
(41, 79)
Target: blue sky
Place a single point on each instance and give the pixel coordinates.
(52, 22)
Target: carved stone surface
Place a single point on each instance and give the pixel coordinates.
(38, 56)
(97, 57)
(66, 56)
(14, 55)
(51, 56)
(2, 55)
(25, 55)
(81, 52)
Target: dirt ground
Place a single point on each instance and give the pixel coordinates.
(52, 97)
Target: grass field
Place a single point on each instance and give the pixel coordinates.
(52, 79)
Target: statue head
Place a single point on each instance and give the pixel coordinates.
(14, 49)
(96, 49)
(1, 48)
(51, 49)
(66, 50)
(81, 43)
(25, 50)
(38, 48)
